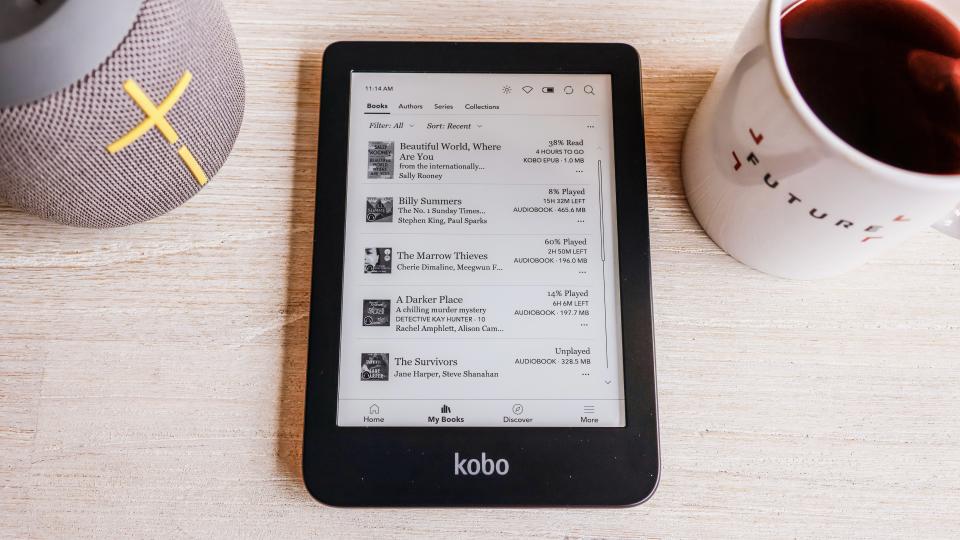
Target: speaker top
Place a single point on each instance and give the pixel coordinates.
(47, 45)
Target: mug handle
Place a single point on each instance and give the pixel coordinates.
(950, 225)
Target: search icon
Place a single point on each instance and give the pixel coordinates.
(588, 89)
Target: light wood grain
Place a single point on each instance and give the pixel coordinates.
(151, 378)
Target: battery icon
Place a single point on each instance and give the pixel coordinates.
(547, 90)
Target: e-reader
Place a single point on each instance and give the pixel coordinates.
(481, 328)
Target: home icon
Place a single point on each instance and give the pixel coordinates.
(374, 409)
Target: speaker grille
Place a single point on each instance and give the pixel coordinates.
(53, 157)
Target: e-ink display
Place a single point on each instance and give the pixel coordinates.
(483, 207)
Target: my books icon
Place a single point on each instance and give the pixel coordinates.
(445, 409)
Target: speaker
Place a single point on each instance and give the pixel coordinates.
(113, 112)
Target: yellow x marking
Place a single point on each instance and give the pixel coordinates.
(156, 118)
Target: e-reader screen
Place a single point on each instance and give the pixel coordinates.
(480, 283)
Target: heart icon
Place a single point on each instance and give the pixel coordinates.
(527, 89)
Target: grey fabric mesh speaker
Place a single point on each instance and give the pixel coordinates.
(54, 157)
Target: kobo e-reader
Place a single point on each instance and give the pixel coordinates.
(481, 325)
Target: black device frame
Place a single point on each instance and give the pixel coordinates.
(414, 466)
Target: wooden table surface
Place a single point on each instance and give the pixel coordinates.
(151, 377)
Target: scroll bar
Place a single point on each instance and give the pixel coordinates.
(603, 236)
(603, 257)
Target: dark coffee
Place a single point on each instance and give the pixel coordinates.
(884, 75)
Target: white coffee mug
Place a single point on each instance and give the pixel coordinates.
(775, 188)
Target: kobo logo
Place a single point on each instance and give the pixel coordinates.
(484, 465)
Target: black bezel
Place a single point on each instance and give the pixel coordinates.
(403, 466)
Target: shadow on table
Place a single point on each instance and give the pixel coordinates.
(297, 309)
(670, 98)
